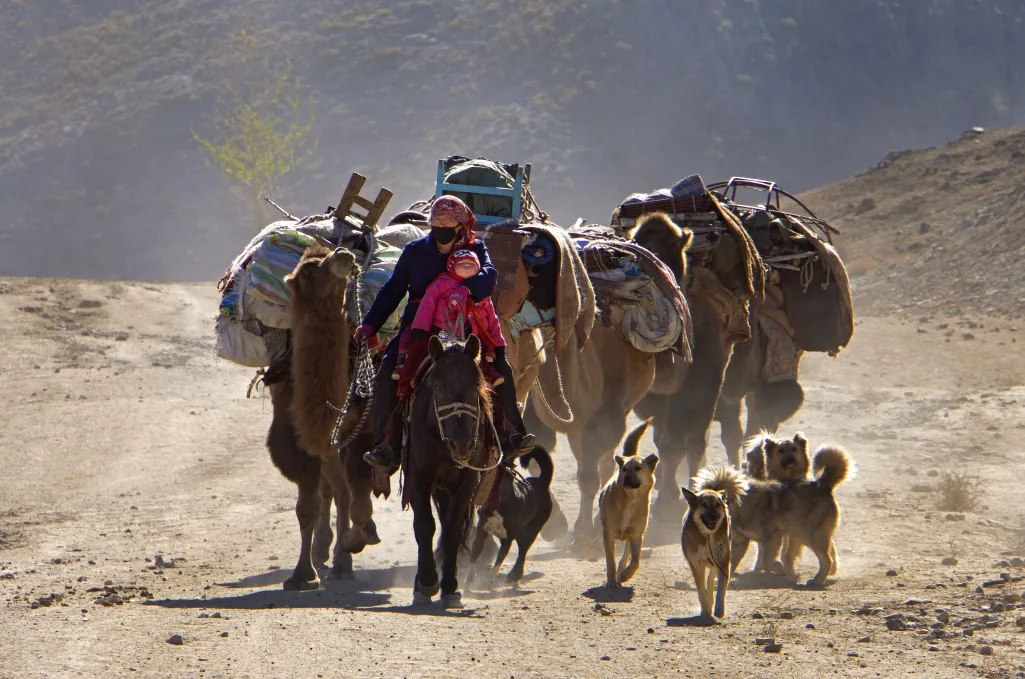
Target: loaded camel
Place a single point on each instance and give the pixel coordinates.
(302, 389)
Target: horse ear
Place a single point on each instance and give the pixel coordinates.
(472, 347)
(435, 347)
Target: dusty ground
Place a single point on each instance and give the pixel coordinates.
(125, 440)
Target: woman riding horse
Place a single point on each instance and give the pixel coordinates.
(451, 228)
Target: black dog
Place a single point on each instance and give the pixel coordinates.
(524, 505)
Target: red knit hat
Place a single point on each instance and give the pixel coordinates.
(461, 256)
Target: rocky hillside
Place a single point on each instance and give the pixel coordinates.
(100, 175)
(937, 231)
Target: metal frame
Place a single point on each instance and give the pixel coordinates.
(521, 177)
(728, 190)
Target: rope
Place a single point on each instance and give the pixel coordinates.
(361, 383)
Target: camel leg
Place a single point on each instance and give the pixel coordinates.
(341, 565)
(587, 482)
(727, 412)
(361, 507)
(668, 505)
(544, 435)
(425, 584)
(324, 536)
(307, 507)
(770, 405)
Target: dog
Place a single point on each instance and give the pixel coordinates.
(524, 507)
(804, 511)
(623, 507)
(706, 538)
(776, 460)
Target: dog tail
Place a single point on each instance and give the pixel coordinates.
(633, 439)
(832, 466)
(723, 479)
(544, 460)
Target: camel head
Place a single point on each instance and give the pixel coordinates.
(320, 277)
(658, 233)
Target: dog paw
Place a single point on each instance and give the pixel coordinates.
(611, 584)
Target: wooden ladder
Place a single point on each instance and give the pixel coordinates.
(351, 198)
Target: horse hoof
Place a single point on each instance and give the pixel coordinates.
(353, 541)
(420, 599)
(454, 600)
(370, 533)
(300, 585)
(429, 592)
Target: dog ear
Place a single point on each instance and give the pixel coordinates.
(650, 461)
(800, 441)
(689, 495)
(769, 447)
(620, 460)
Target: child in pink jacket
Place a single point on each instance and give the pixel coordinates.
(441, 307)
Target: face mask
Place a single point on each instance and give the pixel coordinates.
(443, 235)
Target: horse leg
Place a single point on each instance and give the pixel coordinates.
(425, 584)
(324, 536)
(457, 518)
(727, 412)
(341, 566)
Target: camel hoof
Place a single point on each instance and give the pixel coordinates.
(453, 600)
(299, 585)
(353, 541)
(370, 533)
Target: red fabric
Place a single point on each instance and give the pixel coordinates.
(450, 206)
(414, 357)
(434, 311)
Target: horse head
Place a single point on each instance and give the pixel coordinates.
(460, 395)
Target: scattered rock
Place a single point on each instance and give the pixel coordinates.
(943, 617)
(606, 657)
(757, 616)
(224, 634)
(176, 640)
(896, 624)
(949, 561)
(923, 227)
(762, 641)
(1017, 562)
(773, 648)
(985, 650)
(891, 573)
(786, 615)
(866, 205)
(968, 336)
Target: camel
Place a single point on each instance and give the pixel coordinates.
(602, 381)
(684, 397)
(302, 393)
(769, 404)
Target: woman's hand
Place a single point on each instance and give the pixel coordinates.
(365, 332)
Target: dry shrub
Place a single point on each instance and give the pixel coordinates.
(958, 492)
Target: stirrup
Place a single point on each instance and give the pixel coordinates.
(374, 457)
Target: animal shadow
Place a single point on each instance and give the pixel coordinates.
(621, 594)
(693, 621)
(761, 580)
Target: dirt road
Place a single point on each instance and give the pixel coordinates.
(137, 502)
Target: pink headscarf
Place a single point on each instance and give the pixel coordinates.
(450, 206)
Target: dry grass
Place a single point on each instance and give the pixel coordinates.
(958, 492)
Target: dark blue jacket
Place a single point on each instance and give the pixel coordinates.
(419, 264)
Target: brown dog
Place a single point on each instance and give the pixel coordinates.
(623, 507)
(804, 511)
(707, 536)
(775, 459)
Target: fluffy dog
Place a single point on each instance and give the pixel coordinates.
(776, 460)
(706, 533)
(524, 507)
(623, 507)
(805, 511)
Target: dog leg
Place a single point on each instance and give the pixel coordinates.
(722, 584)
(738, 547)
(635, 560)
(836, 560)
(704, 600)
(822, 551)
(610, 559)
(772, 547)
(503, 551)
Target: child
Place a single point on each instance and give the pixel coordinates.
(443, 306)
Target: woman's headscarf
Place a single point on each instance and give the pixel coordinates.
(450, 206)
